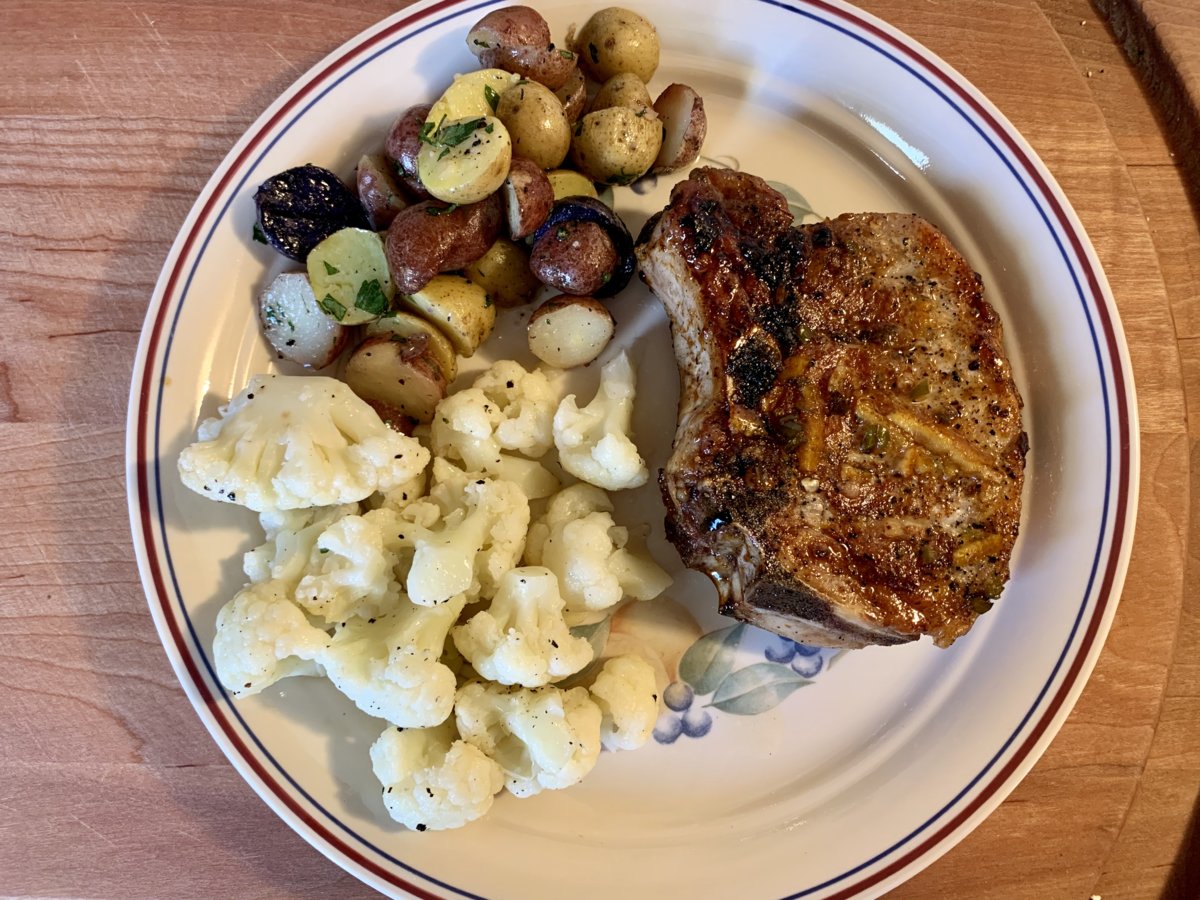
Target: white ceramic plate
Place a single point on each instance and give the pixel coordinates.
(884, 761)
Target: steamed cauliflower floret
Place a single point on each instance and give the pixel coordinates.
(543, 738)
(431, 780)
(349, 570)
(522, 637)
(262, 636)
(593, 443)
(577, 540)
(626, 691)
(507, 411)
(480, 536)
(291, 536)
(390, 665)
(290, 442)
(400, 496)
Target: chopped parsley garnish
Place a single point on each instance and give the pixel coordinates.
(479, 43)
(330, 270)
(448, 136)
(332, 307)
(490, 95)
(258, 235)
(566, 54)
(371, 298)
(440, 210)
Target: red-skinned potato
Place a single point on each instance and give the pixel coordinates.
(404, 144)
(378, 190)
(399, 374)
(430, 237)
(569, 331)
(684, 127)
(528, 196)
(573, 95)
(517, 39)
(574, 257)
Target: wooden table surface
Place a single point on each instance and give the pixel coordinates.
(112, 117)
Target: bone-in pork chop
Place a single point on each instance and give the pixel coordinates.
(849, 456)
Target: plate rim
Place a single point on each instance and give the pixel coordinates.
(940, 77)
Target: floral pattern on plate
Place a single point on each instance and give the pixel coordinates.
(710, 679)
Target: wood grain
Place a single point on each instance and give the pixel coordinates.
(112, 116)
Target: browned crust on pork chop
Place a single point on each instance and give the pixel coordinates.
(849, 457)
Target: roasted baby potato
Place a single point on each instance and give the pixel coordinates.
(528, 197)
(465, 160)
(462, 310)
(429, 237)
(406, 325)
(616, 145)
(569, 183)
(569, 331)
(517, 39)
(578, 210)
(399, 374)
(681, 110)
(573, 95)
(504, 273)
(299, 208)
(378, 190)
(616, 40)
(403, 144)
(574, 257)
(623, 89)
(469, 97)
(295, 326)
(348, 272)
(536, 122)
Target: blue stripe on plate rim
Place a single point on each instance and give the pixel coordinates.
(823, 18)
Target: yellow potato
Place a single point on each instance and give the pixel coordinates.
(536, 123)
(616, 40)
(406, 325)
(348, 272)
(504, 273)
(465, 160)
(569, 183)
(624, 89)
(462, 310)
(616, 145)
(471, 95)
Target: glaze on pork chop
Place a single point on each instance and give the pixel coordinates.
(849, 455)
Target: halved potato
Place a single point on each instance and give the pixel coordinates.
(684, 127)
(398, 373)
(569, 331)
(462, 310)
(528, 197)
(470, 96)
(349, 275)
(406, 325)
(504, 273)
(465, 160)
(295, 326)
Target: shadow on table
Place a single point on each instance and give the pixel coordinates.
(1184, 883)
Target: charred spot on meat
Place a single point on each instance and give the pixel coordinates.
(849, 457)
